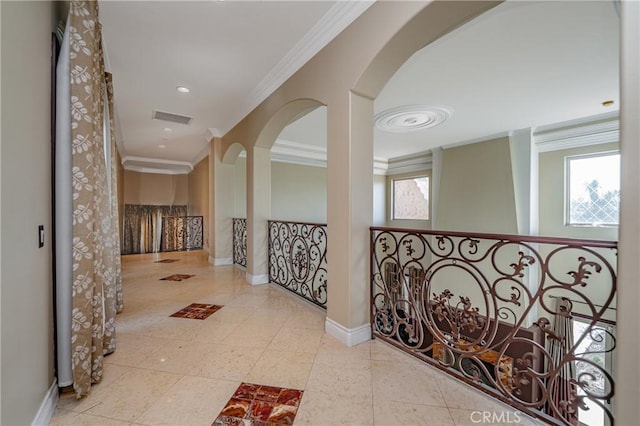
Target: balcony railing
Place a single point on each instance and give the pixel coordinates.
(298, 259)
(181, 233)
(528, 320)
(240, 241)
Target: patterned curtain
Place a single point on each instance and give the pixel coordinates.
(96, 288)
(143, 228)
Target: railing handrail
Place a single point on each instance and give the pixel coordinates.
(506, 237)
(296, 222)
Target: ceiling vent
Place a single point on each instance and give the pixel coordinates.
(173, 118)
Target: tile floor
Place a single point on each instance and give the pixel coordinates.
(181, 371)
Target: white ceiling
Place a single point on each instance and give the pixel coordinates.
(231, 54)
(520, 65)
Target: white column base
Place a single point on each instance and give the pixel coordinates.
(220, 261)
(48, 406)
(257, 279)
(348, 336)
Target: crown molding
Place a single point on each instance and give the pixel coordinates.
(380, 166)
(284, 151)
(332, 23)
(418, 162)
(155, 165)
(587, 131)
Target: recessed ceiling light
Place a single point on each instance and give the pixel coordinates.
(608, 103)
(411, 118)
(162, 146)
(183, 89)
(168, 129)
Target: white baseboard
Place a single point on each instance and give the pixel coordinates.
(348, 336)
(257, 279)
(220, 261)
(48, 406)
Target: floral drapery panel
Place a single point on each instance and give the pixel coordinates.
(96, 288)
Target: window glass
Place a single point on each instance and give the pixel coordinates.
(593, 196)
(411, 198)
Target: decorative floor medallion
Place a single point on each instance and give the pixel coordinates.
(259, 405)
(197, 311)
(166, 261)
(177, 277)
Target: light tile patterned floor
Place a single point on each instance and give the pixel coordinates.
(177, 371)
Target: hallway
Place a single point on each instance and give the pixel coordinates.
(179, 371)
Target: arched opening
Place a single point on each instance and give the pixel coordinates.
(479, 119)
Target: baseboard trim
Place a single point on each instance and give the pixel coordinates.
(48, 406)
(257, 279)
(221, 261)
(348, 336)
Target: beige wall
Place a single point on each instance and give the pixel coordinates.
(27, 360)
(552, 196)
(155, 189)
(476, 189)
(298, 193)
(198, 181)
(379, 200)
(239, 186)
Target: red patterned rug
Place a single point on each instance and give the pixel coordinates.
(177, 277)
(197, 311)
(253, 404)
(166, 261)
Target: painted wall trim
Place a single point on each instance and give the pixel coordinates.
(588, 131)
(155, 165)
(410, 163)
(48, 406)
(257, 279)
(285, 151)
(220, 261)
(348, 336)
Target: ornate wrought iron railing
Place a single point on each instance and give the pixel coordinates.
(240, 241)
(298, 259)
(181, 233)
(528, 320)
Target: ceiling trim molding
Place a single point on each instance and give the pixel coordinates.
(332, 23)
(155, 165)
(588, 131)
(418, 162)
(380, 166)
(284, 151)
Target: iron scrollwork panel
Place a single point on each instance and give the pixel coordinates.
(498, 312)
(298, 259)
(240, 241)
(194, 232)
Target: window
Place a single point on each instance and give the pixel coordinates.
(411, 198)
(593, 195)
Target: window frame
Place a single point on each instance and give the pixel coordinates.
(567, 189)
(392, 200)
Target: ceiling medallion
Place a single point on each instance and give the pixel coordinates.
(412, 118)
